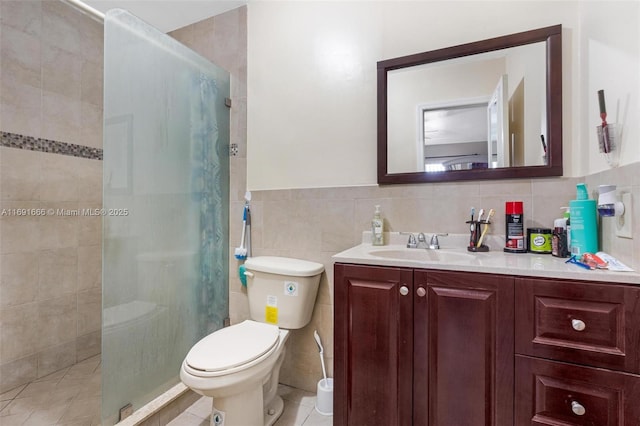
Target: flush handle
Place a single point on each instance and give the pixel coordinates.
(578, 325)
(421, 291)
(577, 408)
(404, 290)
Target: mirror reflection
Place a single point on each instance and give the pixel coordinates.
(482, 111)
(488, 109)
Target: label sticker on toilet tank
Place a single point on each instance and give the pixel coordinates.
(271, 310)
(290, 288)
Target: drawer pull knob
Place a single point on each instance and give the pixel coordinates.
(421, 291)
(577, 408)
(578, 325)
(404, 290)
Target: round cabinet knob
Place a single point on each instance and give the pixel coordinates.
(421, 291)
(404, 290)
(578, 325)
(577, 408)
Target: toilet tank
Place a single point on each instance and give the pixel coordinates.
(282, 290)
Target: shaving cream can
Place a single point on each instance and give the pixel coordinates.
(514, 228)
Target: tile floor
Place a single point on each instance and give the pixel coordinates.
(299, 410)
(71, 397)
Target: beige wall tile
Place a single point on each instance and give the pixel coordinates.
(61, 72)
(20, 108)
(56, 321)
(89, 173)
(18, 335)
(20, 174)
(59, 26)
(89, 311)
(90, 228)
(58, 178)
(57, 273)
(20, 55)
(56, 358)
(61, 118)
(23, 15)
(58, 230)
(88, 345)
(91, 129)
(89, 267)
(91, 81)
(20, 234)
(18, 278)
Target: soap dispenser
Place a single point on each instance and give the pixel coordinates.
(377, 228)
(584, 228)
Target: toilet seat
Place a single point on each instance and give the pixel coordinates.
(232, 349)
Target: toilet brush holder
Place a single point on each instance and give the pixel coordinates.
(324, 398)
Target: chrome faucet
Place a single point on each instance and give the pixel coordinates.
(434, 244)
(412, 243)
(417, 242)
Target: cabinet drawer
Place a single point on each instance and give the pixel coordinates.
(585, 323)
(554, 393)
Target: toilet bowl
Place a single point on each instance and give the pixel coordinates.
(242, 373)
(239, 366)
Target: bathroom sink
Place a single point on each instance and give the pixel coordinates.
(424, 255)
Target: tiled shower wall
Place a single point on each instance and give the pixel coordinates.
(50, 265)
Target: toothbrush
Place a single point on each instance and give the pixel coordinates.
(486, 227)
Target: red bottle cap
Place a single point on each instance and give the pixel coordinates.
(513, 207)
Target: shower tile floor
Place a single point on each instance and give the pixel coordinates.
(68, 397)
(71, 397)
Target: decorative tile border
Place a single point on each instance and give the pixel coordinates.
(14, 140)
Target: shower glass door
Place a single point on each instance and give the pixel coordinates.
(165, 215)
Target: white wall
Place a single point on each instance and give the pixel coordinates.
(609, 60)
(312, 76)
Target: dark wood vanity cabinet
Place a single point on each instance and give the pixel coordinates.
(373, 353)
(422, 347)
(440, 348)
(577, 353)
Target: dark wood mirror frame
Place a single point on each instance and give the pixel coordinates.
(553, 38)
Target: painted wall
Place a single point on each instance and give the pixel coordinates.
(610, 61)
(312, 64)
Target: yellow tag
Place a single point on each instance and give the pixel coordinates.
(271, 314)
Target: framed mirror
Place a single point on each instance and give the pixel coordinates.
(490, 109)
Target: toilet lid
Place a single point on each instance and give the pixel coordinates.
(233, 346)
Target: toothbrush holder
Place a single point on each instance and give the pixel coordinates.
(476, 229)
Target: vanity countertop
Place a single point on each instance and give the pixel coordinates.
(495, 261)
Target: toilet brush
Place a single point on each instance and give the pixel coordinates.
(321, 349)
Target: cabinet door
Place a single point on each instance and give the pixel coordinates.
(463, 349)
(553, 393)
(595, 324)
(373, 345)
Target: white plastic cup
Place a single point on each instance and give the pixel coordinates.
(324, 398)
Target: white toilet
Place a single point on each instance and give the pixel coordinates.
(239, 366)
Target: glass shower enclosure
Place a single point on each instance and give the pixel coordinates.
(165, 209)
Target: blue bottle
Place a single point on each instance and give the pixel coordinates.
(584, 227)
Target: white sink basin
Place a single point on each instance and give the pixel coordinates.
(424, 255)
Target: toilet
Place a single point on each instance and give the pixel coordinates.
(239, 366)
